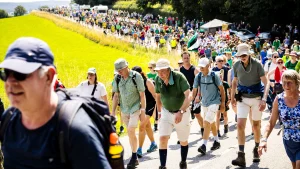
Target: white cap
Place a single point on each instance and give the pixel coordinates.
(203, 62)
(162, 64)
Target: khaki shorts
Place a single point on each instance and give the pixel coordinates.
(167, 124)
(209, 113)
(131, 120)
(247, 105)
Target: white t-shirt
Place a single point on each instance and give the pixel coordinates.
(86, 90)
(272, 67)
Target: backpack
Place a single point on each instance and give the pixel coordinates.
(118, 79)
(213, 79)
(71, 102)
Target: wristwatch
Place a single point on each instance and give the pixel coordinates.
(263, 139)
(181, 111)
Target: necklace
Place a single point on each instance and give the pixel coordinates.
(244, 68)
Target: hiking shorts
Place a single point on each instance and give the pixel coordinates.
(167, 124)
(292, 149)
(209, 113)
(150, 108)
(131, 120)
(249, 104)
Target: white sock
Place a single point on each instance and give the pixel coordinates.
(216, 138)
(205, 142)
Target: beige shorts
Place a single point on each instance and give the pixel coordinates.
(131, 120)
(209, 113)
(247, 105)
(167, 124)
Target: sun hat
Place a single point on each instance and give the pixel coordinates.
(162, 64)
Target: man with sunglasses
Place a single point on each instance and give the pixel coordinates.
(30, 140)
(172, 99)
(130, 89)
(220, 64)
(248, 78)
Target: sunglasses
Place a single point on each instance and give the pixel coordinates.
(149, 67)
(279, 62)
(4, 74)
(275, 57)
(220, 61)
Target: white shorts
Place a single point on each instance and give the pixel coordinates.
(247, 105)
(131, 120)
(167, 124)
(209, 113)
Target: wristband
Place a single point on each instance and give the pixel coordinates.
(264, 99)
(142, 109)
(159, 113)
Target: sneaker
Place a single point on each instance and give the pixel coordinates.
(193, 116)
(202, 149)
(162, 167)
(215, 146)
(152, 148)
(219, 134)
(240, 160)
(255, 155)
(222, 117)
(183, 165)
(139, 153)
(132, 164)
(226, 128)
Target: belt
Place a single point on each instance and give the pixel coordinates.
(174, 111)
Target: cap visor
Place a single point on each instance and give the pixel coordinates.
(242, 53)
(159, 68)
(202, 65)
(20, 66)
(91, 72)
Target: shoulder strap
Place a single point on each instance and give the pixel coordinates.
(93, 92)
(133, 79)
(289, 63)
(214, 79)
(199, 79)
(5, 121)
(269, 65)
(66, 114)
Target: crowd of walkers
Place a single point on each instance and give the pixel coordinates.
(245, 77)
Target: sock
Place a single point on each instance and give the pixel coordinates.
(184, 152)
(140, 148)
(153, 143)
(134, 156)
(241, 148)
(256, 145)
(163, 157)
(205, 142)
(216, 138)
(202, 130)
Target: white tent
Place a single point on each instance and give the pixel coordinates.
(213, 24)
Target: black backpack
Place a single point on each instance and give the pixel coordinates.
(118, 79)
(69, 104)
(213, 79)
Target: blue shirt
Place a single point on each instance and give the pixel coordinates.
(207, 52)
(39, 148)
(263, 55)
(209, 92)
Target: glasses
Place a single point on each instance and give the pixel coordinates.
(220, 61)
(243, 56)
(279, 62)
(276, 57)
(4, 74)
(149, 67)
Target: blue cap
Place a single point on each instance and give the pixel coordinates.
(27, 54)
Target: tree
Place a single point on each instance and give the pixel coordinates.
(19, 11)
(3, 14)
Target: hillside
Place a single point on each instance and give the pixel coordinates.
(74, 54)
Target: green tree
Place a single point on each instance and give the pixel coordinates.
(3, 14)
(19, 11)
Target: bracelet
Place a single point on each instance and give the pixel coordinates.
(159, 113)
(143, 109)
(264, 99)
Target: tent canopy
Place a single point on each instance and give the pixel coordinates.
(214, 24)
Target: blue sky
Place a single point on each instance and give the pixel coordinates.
(27, 0)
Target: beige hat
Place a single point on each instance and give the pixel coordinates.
(162, 64)
(203, 62)
(243, 49)
(120, 64)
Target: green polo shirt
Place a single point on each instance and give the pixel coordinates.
(172, 95)
(129, 93)
(151, 75)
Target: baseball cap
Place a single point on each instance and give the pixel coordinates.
(92, 70)
(27, 54)
(162, 64)
(120, 64)
(203, 62)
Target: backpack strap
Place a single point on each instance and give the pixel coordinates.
(66, 114)
(133, 79)
(94, 89)
(214, 79)
(4, 123)
(269, 65)
(199, 79)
